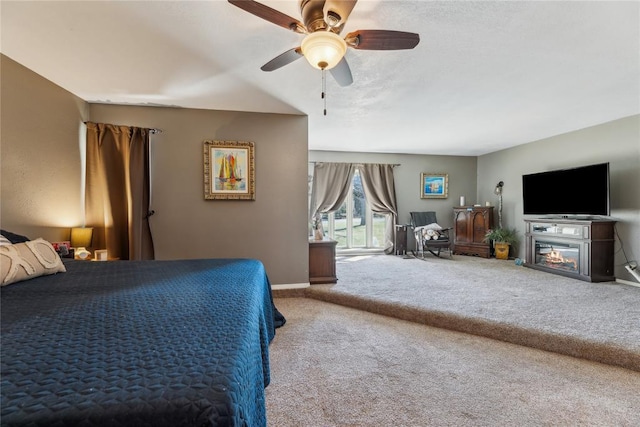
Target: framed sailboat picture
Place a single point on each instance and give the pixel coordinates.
(229, 170)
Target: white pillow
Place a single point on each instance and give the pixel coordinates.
(4, 241)
(432, 226)
(27, 260)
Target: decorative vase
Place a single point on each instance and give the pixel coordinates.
(318, 234)
(502, 250)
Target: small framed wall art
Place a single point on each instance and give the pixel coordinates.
(229, 170)
(100, 255)
(434, 185)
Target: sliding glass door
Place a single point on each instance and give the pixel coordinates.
(354, 225)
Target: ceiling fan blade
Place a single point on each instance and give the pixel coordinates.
(283, 59)
(382, 40)
(342, 73)
(265, 12)
(337, 10)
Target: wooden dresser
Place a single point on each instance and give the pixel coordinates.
(322, 261)
(471, 223)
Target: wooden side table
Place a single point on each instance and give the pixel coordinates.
(322, 261)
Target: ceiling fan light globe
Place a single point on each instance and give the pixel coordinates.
(323, 49)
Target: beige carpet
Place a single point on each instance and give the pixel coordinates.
(333, 365)
(496, 299)
(336, 366)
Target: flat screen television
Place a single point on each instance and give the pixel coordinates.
(577, 191)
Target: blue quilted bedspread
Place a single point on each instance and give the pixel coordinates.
(138, 343)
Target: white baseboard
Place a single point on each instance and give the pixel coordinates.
(291, 286)
(628, 282)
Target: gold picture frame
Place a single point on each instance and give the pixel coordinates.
(229, 170)
(434, 185)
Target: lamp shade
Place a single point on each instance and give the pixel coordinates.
(323, 49)
(81, 237)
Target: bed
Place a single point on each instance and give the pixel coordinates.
(138, 343)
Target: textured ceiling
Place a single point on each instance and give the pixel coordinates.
(485, 76)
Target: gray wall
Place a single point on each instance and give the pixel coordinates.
(40, 154)
(461, 171)
(616, 142)
(273, 228)
(41, 175)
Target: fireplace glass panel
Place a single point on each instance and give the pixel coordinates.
(560, 256)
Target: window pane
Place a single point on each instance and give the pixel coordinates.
(359, 212)
(340, 231)
(326, 224)
(379, 224)
(359, 231)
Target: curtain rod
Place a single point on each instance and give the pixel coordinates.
(359, 163)
(152, 130)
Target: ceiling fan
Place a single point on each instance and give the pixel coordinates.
(322, 46)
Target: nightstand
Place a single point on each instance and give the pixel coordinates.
(322, 261)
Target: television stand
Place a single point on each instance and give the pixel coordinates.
(578, 248)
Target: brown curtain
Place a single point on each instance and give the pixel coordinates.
(331, 183)
(118, 190)
(380, 191)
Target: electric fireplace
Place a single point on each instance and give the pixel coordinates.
(582, 249)
(558, 255)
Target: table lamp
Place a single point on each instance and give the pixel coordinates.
(80, 240)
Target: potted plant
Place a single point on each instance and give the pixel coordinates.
(502, 239)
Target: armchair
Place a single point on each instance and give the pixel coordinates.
(429, 235)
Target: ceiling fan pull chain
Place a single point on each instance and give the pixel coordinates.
(324, 91)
